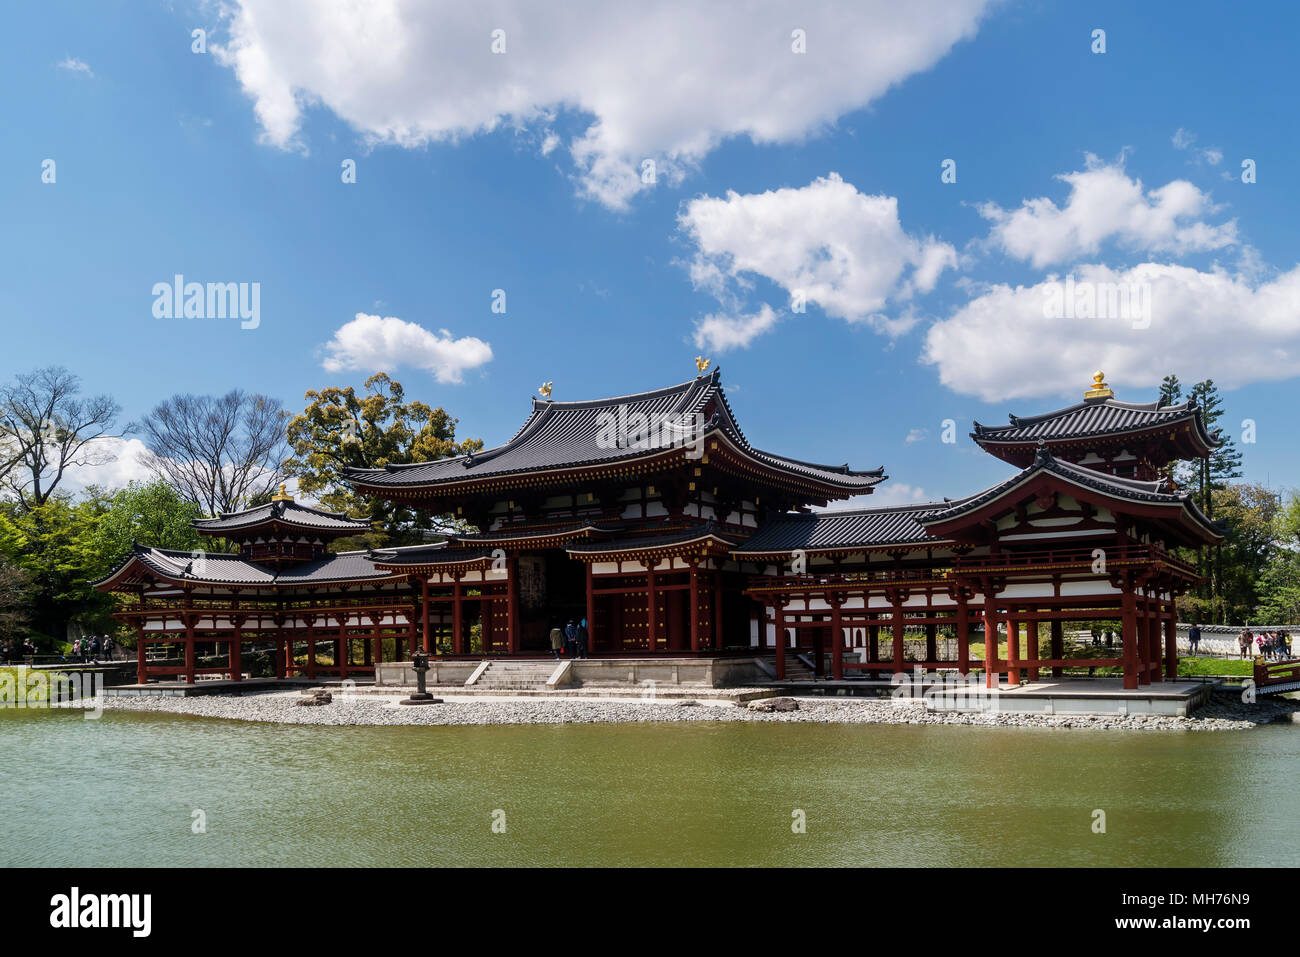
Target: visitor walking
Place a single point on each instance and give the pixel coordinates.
(581, 637)
(94, 649)
(1243, 642)
(557, 640)
(1110, 640)
(571, 639)
(109, 647)
(1194, 638)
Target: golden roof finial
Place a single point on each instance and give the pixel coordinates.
(545, 390)
(701, 364)
(1099, 389)
(282, 495)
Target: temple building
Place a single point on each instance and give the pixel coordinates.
(652, 517)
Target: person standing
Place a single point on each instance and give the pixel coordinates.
(1194, 638)
(557, 639)
(581, 637)
(571, 639)
(1243, 642)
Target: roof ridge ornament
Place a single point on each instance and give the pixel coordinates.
(282, 495)
(1041, 454)
(545, 391)
(1099, 389)
(701, 365)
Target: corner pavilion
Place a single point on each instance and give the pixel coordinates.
(672, 535)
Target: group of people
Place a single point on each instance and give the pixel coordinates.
(17, 651)
(1270, 645)
(571, 639)
(1098, 638)
(91, 647)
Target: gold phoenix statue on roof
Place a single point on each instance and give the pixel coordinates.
(701, 364)
(545, 390)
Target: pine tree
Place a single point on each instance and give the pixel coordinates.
(1224, 463)
(1171, 390)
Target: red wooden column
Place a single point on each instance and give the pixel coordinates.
(424, 612)
(457, 618)
(1013, 648)
(189, 638)
(1128, 636)
(377, 640)
(695, 606)
(652, 621)
(1031, 641)
(1171, 641)
(189, 649)
(311, 646)
(717, 609)
(236, 655)
(778, 603)
(990, 640)
(1155, 610)
(141, 659)
(897, 601)
(1058, 646)
(837, 636)
(963, 634)
(591, 608)
(1144, 639)
(512, 605)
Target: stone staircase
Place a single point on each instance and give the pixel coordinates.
(797, 669)
(515, 675)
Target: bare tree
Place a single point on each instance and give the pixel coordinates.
(219, 452)
(46, 428)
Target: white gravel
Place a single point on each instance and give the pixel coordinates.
(1224, 713)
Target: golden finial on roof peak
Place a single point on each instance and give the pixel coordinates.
(1099, 388)
(282, 495)
(701, 365)
(545, 391)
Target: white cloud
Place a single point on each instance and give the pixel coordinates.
(722, 332)
(915, 435)
(1184, 140)
(843, 250)
(1106, 205)
(662, 79)
(117, 462)
(73, 65)
(885, 495)
(374, 344)
(1237, 328)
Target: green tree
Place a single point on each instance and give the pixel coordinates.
(1224, 463)
(151, 513)
(340, 429)
(15, 602)
(55, 545)
(1171, 390)
(1249, 514)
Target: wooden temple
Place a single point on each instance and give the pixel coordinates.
(653, 519)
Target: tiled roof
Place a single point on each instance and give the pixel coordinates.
(1092, 417)
(1156, 492)
(571, 434)
(652, 540)
(284, 512)
(435, 553)
(223, 568)
(843, 529)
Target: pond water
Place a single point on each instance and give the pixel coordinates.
(125, 789)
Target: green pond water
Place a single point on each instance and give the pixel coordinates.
(123, 790)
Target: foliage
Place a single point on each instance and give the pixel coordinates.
(55, 544)
(15, 601)
(340, 429)
(152, 513)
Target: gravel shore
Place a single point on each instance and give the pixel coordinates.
(1224, 713)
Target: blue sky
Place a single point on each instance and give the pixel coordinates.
(775, 170)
